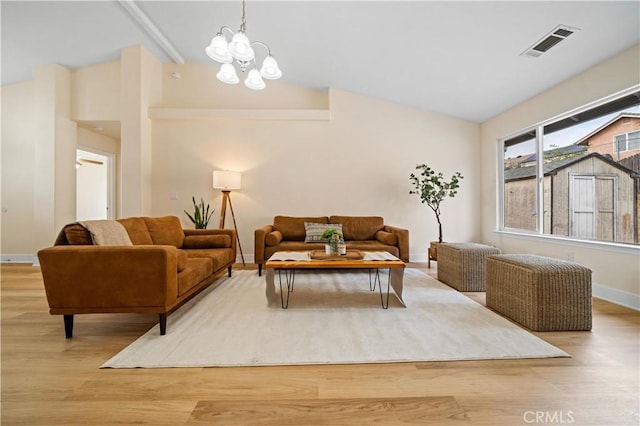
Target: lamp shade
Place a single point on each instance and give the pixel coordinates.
(270, 69)
(254, 80)
(227, 74)
(226, 180)
(240, 47)
(218, 50)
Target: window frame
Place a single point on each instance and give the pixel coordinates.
(626, 142)
(538, 128)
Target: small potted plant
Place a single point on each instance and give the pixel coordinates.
(432, 189)
(201, 215)
(334, 239)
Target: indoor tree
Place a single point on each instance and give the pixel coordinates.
(432, 189)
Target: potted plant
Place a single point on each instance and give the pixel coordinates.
(333, 238)
(432, 189)
(201, 215)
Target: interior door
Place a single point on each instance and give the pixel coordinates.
(92, 186)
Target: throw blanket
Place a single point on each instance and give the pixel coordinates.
(107, 233)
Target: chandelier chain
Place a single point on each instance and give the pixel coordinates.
(241, 49)
(243, 26)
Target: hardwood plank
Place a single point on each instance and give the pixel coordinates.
(421, 410)
(50, 380)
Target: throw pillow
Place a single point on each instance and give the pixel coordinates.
(387, 238)
(77, 235)
(314, 231)
(206, 241)
(273, 238)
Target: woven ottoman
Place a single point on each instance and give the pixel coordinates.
(462, 265)
(541, 293)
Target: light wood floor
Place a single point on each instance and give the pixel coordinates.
(47, 379)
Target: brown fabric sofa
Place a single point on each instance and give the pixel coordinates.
(165, 266)
(368, 233)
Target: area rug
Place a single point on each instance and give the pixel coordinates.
(333, 318)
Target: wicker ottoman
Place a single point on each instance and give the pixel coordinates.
(462, 265)
(541, 293)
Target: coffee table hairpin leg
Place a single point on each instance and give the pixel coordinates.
(376, 281)
(290, 275)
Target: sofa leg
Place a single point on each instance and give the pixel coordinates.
(259, 269)
(163, 324)
(68, 326)
(229, 271)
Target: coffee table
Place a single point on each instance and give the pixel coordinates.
(286, 263)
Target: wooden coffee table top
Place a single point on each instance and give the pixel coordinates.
(302, 260)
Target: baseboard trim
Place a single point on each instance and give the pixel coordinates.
(619, 297)
(418, 257)
(19, 258)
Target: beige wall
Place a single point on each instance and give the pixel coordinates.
(197, 87)
(615, 270)
(95, 92)
(18, 151)
(356, 163)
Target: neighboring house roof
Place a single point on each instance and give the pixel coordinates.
(584, 140)
(556, 152)
(553, 167)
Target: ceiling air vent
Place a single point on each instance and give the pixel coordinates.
(548, 41)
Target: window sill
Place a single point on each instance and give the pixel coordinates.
(565, 241)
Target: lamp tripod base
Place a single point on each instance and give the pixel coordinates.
(226, 197)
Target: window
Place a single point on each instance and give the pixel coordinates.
(627, 141)
(564, 176)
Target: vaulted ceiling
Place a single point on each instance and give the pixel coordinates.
(458, 58)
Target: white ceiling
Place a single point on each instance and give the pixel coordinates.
(457, 58)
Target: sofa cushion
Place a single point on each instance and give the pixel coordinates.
(182, 260)
(387, 238)
(292, 246)
(372, 245)
(196, 270)
(77, 235)
(137, 230)
(206, 241)
(314, 231)
(359, 228)
(220, 257)
(273, 238)
(292, 228)
(165, 230)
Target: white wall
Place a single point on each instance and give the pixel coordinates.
(616, 271)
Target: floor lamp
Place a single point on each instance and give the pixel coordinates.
(226, 181)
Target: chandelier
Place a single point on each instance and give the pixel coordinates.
(241, 49)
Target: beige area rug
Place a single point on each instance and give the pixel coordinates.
(332, 318)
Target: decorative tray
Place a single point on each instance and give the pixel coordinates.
(351, 255)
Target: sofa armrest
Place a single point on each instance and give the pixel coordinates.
(403, 240)
(84, 279)
(260, 243)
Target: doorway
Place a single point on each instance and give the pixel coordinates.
(94, 185)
